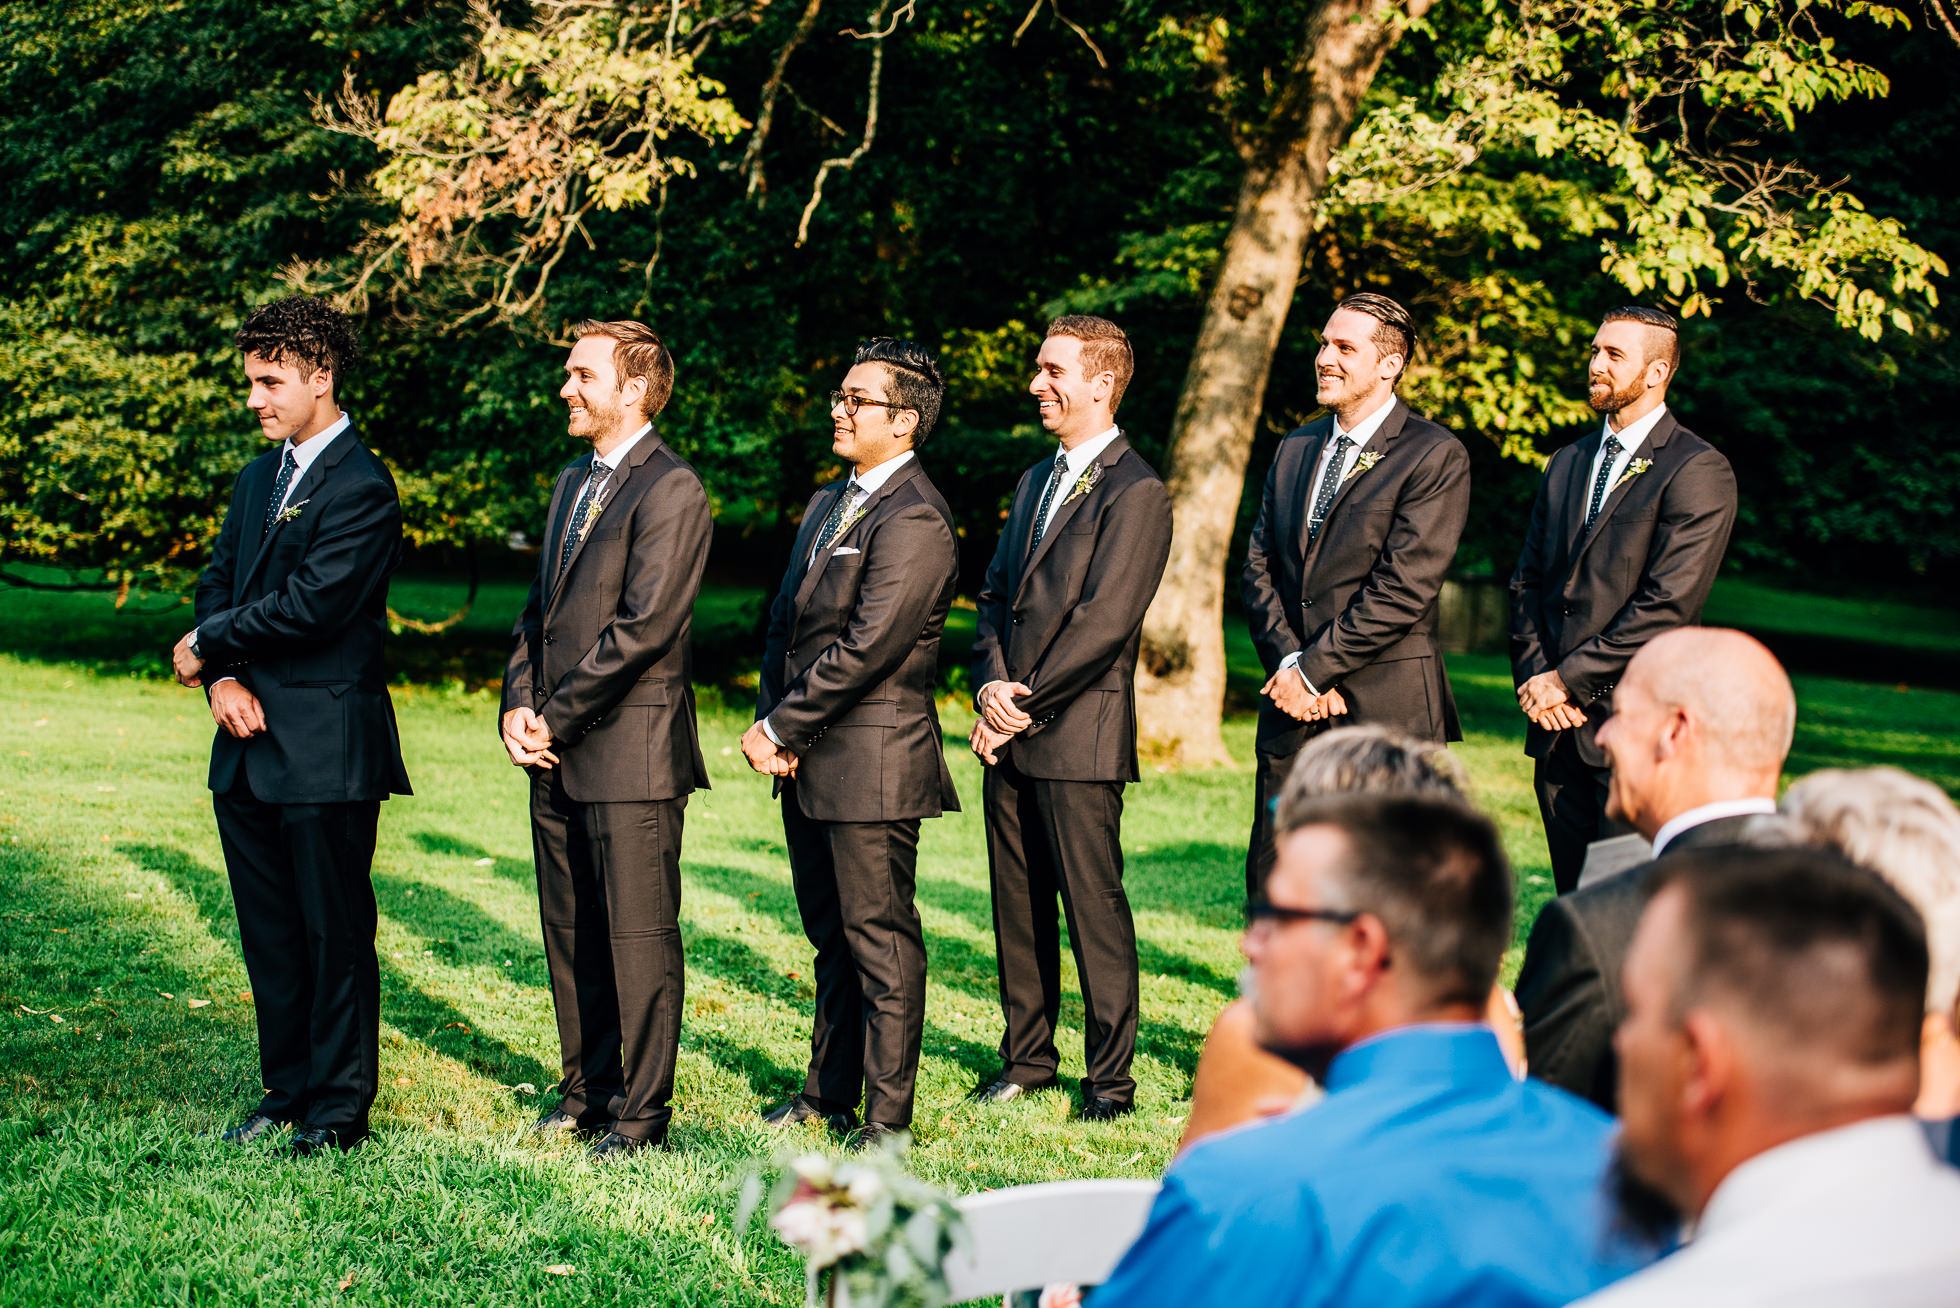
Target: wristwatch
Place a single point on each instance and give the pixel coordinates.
(196, 653)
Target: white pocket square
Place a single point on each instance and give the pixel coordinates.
(845, 549)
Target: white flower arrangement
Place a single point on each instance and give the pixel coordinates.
(879, 1232)
(1085, 483)
(1367, 460)
(1634, 469)
(291, 512)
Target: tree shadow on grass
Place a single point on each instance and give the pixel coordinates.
(440, 845)
(427, 1019)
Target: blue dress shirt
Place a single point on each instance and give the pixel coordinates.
(1428, 1175)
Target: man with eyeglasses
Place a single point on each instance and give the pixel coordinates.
(847, 726)
(1428, 1174)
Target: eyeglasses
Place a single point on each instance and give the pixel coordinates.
(852, 403)
(1265, 910)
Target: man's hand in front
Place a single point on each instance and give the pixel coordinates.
(528, 739)
(187, 665)
(1559, 717)
(765, 755)
(236, 709)
(1544, 691)
(986, 742)
(1287, 689)
(998, 710)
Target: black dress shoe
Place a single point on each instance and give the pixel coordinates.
(612, 1147)
(311, 1140)
(800, 1109)
(1005, 1091)
(1100, 1109)
(558, 1120)
(873, 1134)
(252, 1128)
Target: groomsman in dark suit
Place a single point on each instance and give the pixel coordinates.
(291, 613)
(1055, 658)
(1626, 536)
(1356, 530)
(847, 725)
(599, 707)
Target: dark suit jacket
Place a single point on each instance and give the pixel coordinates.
(1066, 620)
(1584, 602)
(605, 655)
(1359, 603)
(1569, 987)
(852, 658)
(299, 619)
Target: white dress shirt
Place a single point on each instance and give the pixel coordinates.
(611, 462)
(868, 484)
(1630, 440)
(1364, 431)
(1078, 460)
(304, 455)
(1860, 1215)
(1694, 817)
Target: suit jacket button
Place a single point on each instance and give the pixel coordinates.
(1306, 603)
(547, 638)
(1017, 620)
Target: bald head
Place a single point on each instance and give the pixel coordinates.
(1702, 715)
(1733, 687)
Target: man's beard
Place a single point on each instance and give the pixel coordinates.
(599, 422)
(1641, 1211)
(1614, 401)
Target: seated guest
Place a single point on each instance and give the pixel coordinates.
(1428, 1174)
(1908, 831)
(1236, 1080)
(1767, 1062)
(1701, 724)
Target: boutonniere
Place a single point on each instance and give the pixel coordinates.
(1085, 483)
(851, 517)
(292, 511)
(1634, 469)
(1367, 460)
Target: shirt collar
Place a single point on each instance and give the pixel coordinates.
(620, 451)
(870, 483)
(1635, 434)
(1364, 431)
(310, 449)
(1088, 451)
(1457, 1052)
(1721, 808)
(1883, 1149)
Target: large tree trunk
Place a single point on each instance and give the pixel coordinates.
(1181, 682)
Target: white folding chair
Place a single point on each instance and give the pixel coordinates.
(1035, 1235)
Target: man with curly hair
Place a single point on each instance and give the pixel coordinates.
(291, 612)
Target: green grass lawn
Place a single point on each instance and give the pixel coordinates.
(125, 1029)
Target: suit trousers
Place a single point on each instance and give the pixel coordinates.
(1572, 801)
(609, 899)
(1269, 779)
(854, 890)
(1049, 838)
(306, 919)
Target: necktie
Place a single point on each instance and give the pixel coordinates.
(583, 513)
(287, 469)
(1604, 479)
(1330, 481)
(834, 523)
(1048, 498)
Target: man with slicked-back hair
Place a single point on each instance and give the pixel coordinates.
(1356, 529)
(599, 709)
(1626, 535)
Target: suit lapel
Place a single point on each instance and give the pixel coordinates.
(1377, 444)
(1296, 488)
(1071, 502)
(615, 496)
(844, 535)
(1657, 441)
(557, 519)
(303, 490)
(257, 493)
(1575, 499)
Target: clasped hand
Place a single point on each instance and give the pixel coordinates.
(1000, 719)
(1287, 689)
(1546, 702)
(528, 739)
(765, 755)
